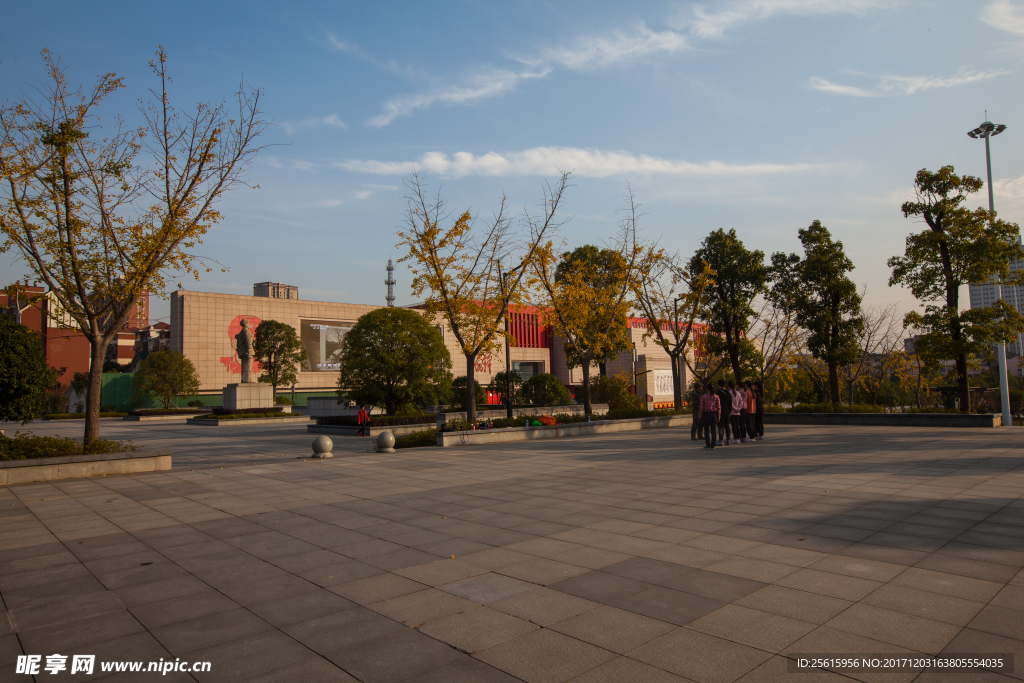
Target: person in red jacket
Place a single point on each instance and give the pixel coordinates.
(363, 418)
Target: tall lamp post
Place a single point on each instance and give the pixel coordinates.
(985, 131)
(508, 359)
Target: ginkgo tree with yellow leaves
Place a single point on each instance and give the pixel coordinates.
(104, 213)
(586, 309)
(471, 271)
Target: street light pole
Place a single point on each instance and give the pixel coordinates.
(508, 359)
(985, 131)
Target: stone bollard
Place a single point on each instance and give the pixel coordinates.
(322, 446)
(386, 442)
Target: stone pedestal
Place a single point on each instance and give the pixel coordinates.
(248, 395)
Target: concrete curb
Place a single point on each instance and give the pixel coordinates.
(159, 418)
(370, 431)
(486, 436)
(81, 466)
(298, 419)
(885, 419)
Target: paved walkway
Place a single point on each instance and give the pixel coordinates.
(633, 557)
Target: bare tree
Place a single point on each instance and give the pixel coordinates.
(882, 347)
(775, 333)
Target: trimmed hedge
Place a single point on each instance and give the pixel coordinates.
(244, 411)
(151, 412)
(833, 408)
(378, 420)
(250, 416)
(28, 446)
(421, 439)
(632, 413)
(80, 416)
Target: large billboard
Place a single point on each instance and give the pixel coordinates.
(323, 341)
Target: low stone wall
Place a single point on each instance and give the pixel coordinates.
(574, 409)
(486, 436)
(372, 430)
(162, 418)
(328, 406)
(886, 419)
(297, 419)
(79, 466)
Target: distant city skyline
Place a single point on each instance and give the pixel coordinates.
(758, 115)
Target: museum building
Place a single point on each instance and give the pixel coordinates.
(204, 325)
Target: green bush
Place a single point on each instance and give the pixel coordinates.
(833, 408)
(426, 437)
(378, 420)
(546, 390)
(459, 392)
(196, 403)
(774, 409)
(282, 401)
(28, 446)
(614, 391)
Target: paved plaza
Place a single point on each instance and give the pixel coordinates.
(617, 558)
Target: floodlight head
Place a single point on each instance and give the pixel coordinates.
(973, 133)
(1000, 127)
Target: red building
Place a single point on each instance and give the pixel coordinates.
(63, 345)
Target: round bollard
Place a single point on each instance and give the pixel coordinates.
(322, 446)
(386, 442)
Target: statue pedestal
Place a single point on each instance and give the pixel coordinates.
(248, 395)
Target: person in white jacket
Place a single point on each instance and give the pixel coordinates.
(738, 414)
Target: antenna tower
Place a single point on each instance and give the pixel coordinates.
(390, 282)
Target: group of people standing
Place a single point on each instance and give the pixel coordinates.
(733, 414)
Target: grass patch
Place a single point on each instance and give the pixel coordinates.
(420, 439)
(28, 446)
(79, 416)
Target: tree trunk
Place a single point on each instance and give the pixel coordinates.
(833, 382)
(961, 381)
(733, 349)
(471, 387)
(677, 389)
(97, 350)
(587, 407)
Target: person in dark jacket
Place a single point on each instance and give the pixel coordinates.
(724, 427)
(696, 425)
(363, 418)
(759, 413)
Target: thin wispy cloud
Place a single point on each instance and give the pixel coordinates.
(892, 85)
(290, 165)
(703, 23)
(488, 84)
(589, 163)
(594, 51)
(331, 120)
(1004, 15)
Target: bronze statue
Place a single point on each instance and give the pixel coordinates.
(243, 345)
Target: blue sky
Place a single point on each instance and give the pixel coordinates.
(758, 115)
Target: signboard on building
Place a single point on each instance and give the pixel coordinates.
(323, 341)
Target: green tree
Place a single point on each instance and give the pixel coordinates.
(500, 384)
(740, 276)
(25, 378)
(395, 359)
(959, 247)
(459, 394)
(615, 392)
(546, 389)
(164, 375)
(825, 299)
(278, 350)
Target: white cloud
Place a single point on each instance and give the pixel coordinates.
(328, 203)
(713, 24)
(1002, 14)
(1009, 198)
(329, 120)
(904, 85)
(549, 160)
(292, 165)
(591, 51)
(482, 85)
(828, 86)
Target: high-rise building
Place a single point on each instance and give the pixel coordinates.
(275, 290)
(983, 296)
